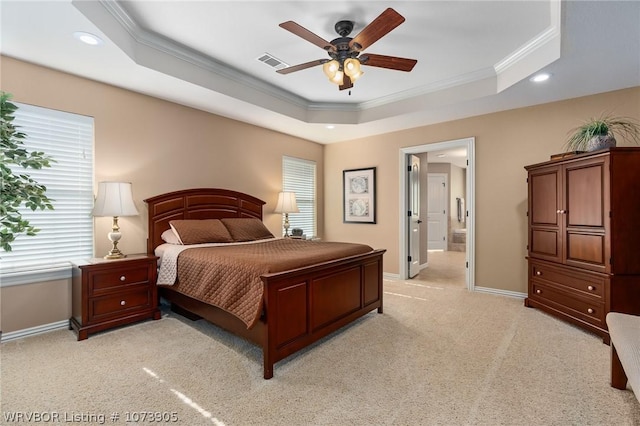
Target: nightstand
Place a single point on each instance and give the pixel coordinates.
(110, 293)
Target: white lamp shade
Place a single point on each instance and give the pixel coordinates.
(287, 203)
(114, 199)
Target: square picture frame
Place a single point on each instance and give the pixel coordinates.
(359, 195)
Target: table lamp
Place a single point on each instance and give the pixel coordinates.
(114, 199)
(286, 204)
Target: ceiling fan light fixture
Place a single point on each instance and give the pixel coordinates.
(352, 69)
(331, 68)
(337, 78)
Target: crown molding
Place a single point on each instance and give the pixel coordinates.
(169, 47)
(154, 51)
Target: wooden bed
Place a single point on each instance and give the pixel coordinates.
(300, 306)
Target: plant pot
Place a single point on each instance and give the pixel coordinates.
(601, 142)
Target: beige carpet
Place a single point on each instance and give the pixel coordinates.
(439, 355)
(446, 267)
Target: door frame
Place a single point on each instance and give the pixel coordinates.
(469, 144)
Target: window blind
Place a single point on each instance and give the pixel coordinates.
(66, 232)
(299, 176)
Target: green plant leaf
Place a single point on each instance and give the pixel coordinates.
(18, 189)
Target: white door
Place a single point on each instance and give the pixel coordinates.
(414, 222)
(437, 211)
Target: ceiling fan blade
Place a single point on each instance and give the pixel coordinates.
(387, 21)
(301, 31)
(391, 62)
(346, 83)
(299, 67)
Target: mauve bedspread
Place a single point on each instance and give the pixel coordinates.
(229, 277)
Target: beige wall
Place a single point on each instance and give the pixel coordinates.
(32, 305)
(457, 187)
(505, 143)
(159, 146)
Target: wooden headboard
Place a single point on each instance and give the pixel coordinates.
(198, 203)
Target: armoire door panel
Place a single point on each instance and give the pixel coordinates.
(585, 196)
(544, 196)
(544, 243)
(586, 248)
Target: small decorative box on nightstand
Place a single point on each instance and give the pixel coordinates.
(110, 293)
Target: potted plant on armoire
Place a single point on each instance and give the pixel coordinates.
(599, 133)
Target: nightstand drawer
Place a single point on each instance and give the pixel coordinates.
(107, 280)
(119, 304)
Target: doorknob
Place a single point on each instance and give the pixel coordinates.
(418, 221)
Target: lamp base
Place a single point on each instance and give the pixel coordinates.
(114, 237)
(115, 254)
(286, 225)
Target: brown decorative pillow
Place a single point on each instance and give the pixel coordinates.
(246, 229)
(199, 231)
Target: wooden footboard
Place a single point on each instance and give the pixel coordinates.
(302, 306)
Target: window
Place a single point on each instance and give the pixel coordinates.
(299, 176)
(66, 233)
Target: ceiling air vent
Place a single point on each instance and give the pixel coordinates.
(272, 61)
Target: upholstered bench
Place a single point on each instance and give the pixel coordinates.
(624, 330)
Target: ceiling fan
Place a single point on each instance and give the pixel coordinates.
(346, 52)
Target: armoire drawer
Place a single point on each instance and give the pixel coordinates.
(592, 311)
(585, 283)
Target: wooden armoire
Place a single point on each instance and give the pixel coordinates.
(584, 236)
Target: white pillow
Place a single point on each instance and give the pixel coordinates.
(170, 237)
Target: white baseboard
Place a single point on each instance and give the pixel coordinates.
(19, 334)
(508, 293)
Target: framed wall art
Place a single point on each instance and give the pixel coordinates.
(359, 195)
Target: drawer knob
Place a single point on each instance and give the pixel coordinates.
(538, 291)
(590, 288)
(538, 273)
(123, 278)
(590, 310)
(122, 303)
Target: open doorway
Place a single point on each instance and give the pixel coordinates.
(446, 247)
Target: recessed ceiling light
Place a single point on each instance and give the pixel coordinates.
(539, 78)
(330, 126)
(88, 38)
(440, 155)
